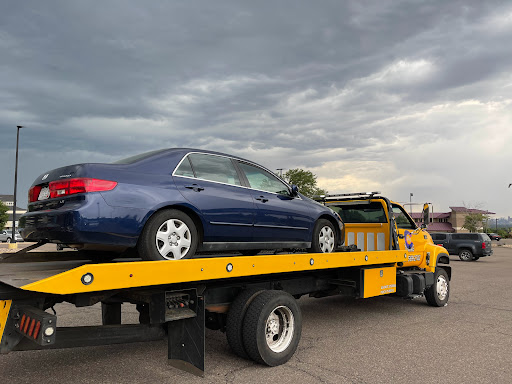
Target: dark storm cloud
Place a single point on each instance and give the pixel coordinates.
(291, 83)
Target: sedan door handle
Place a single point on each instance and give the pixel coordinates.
(195, 187)
(262, 199)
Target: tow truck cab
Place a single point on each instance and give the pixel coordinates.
(374, 223)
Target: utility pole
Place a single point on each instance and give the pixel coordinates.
(13, 244)
(280, 172)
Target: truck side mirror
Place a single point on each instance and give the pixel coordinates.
(295, 190)
(426, 215)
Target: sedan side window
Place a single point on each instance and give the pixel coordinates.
(185, 169)
(214, 168)
(263, 180)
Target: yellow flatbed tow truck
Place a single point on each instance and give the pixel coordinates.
(251, 298)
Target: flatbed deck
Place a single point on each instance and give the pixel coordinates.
(44, 272)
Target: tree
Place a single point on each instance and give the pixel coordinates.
(305, 180)
(3, 214)
(473, 221)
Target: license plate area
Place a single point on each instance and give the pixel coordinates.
(44, 193)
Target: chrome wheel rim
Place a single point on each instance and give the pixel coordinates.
(326, 239)
(465, 255)
(8, 240)
(279, 329)
(173, 239)
(442, 287)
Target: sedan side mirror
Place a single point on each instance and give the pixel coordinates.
(295, 190)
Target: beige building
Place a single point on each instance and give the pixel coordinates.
(9, 201)
(451, 221)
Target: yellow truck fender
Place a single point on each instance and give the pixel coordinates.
(439, 256)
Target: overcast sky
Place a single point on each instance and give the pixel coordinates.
(392, 96)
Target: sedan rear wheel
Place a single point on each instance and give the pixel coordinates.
(168, 235)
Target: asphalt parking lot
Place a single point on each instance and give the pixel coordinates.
(379, 340)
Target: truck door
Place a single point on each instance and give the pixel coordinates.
(410, 238)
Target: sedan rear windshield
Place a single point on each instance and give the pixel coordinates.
(142, 156)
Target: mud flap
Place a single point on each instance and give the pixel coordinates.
(186, 342)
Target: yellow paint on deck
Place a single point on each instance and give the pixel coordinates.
(148, 273)
(5, 307)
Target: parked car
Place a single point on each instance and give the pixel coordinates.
(168, 204)
(6, 236)
(469, 246)
(494, 236)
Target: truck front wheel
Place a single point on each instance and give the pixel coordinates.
(272, 328)
(438, 293)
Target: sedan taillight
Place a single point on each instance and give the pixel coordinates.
(33, 193)
(80, 185)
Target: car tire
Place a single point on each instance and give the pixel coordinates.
(324, 237)
(8, 240)
(437, 294)
(168, 235)
(465, 255)
(272, 328)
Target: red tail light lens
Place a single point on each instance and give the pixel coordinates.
(483, 245)
(33, 193)
(81, 185)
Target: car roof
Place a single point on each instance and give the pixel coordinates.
(183, 151)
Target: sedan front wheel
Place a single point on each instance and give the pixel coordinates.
(324, 237)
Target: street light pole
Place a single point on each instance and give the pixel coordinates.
(410, 201)
(13, 240)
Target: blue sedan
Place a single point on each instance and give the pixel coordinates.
(171, 203)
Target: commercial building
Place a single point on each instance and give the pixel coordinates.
(452, 221)
(9, 201)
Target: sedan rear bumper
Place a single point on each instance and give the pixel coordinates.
(91, 222)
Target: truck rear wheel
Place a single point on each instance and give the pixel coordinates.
(272, 328)
(465, 255)
(438, 293)
(235, 320)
